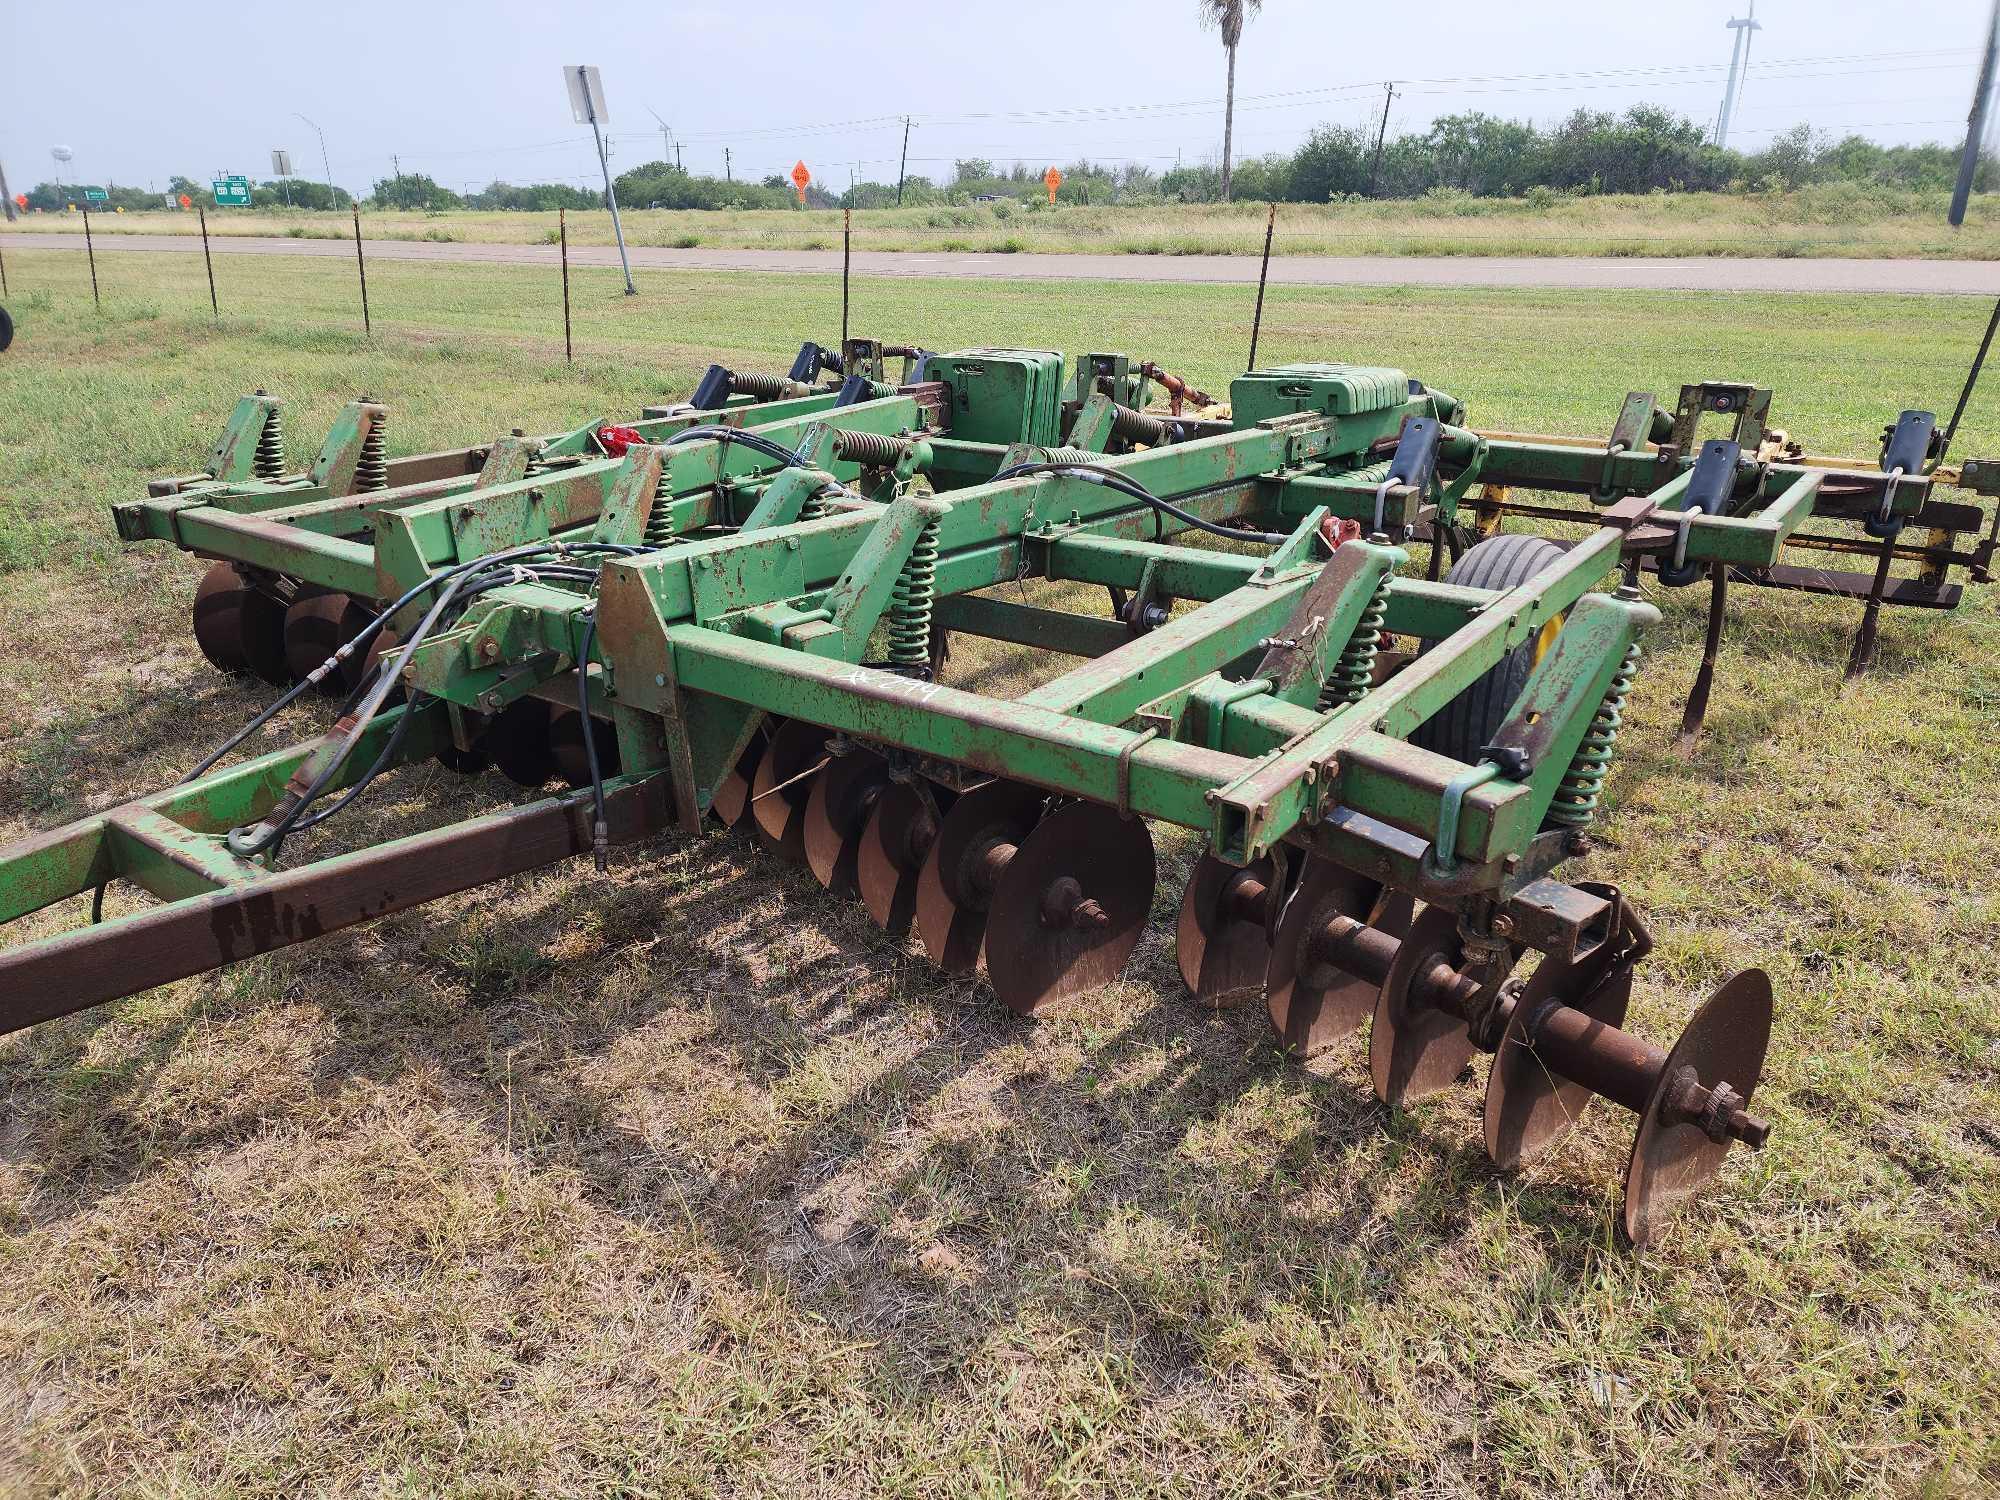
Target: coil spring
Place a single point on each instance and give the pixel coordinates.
(269, 460)
(872, 450)
(1138, 427)
(1576, 798)
(770, 387)
(660, 514)
(371, 470)
(1354, 673)
(1073, 456)
(910, 608)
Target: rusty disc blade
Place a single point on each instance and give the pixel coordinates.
(731, 802)
(1070, 907)
(1724, 1043)
(1529, 1106)
(518, 742)
(1416, 1050)
(1313, 1003)
(239, 626)
(890, 860)
(572, 761)
(1221, 942)
(218, 624)
(783, 786)
(467, 762)
(842, 797)
(317, 624)
(951, 901)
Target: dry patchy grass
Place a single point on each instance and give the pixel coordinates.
(691, 1181)
(1837, 219)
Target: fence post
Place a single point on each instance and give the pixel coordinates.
(361, 264)
(1263, 273)
(209, 261)
(91, 250)
(562, 227)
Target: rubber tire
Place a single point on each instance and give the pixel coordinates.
(1468, 722)
(6, 329)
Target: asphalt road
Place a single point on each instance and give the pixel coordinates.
(1712, 274)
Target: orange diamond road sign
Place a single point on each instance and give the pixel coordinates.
(1052, 179)
(186, 201)
(800, 177)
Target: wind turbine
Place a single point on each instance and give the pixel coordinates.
(1739, 59)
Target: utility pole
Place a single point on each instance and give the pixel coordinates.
(1975, 125)
(678, 167)
(903, 167)
(728, 174)
(325, 165)
(1739, 68)
(1381, 135)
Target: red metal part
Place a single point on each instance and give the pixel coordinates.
(1334, 530)
(615, 440)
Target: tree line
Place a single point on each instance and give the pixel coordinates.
(1643, 150)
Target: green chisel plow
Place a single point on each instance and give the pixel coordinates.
(738, 611)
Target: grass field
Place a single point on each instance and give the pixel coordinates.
(1831, 220)
(689, 1180)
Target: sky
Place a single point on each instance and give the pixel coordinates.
(472, 92)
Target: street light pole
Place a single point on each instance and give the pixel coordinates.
(322, 159)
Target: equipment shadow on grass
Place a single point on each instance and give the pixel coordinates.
(1077, 1150)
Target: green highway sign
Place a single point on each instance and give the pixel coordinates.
(95, 195)
(232, 192)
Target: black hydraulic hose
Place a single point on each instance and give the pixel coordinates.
(463, 587)
(468, 588)
(389, 749)
(296, 820)
(368, 632)
(246, 845)
(791, 458)
(766, 446)
(1111, 479)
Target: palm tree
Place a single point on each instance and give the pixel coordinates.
(1228, 16)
